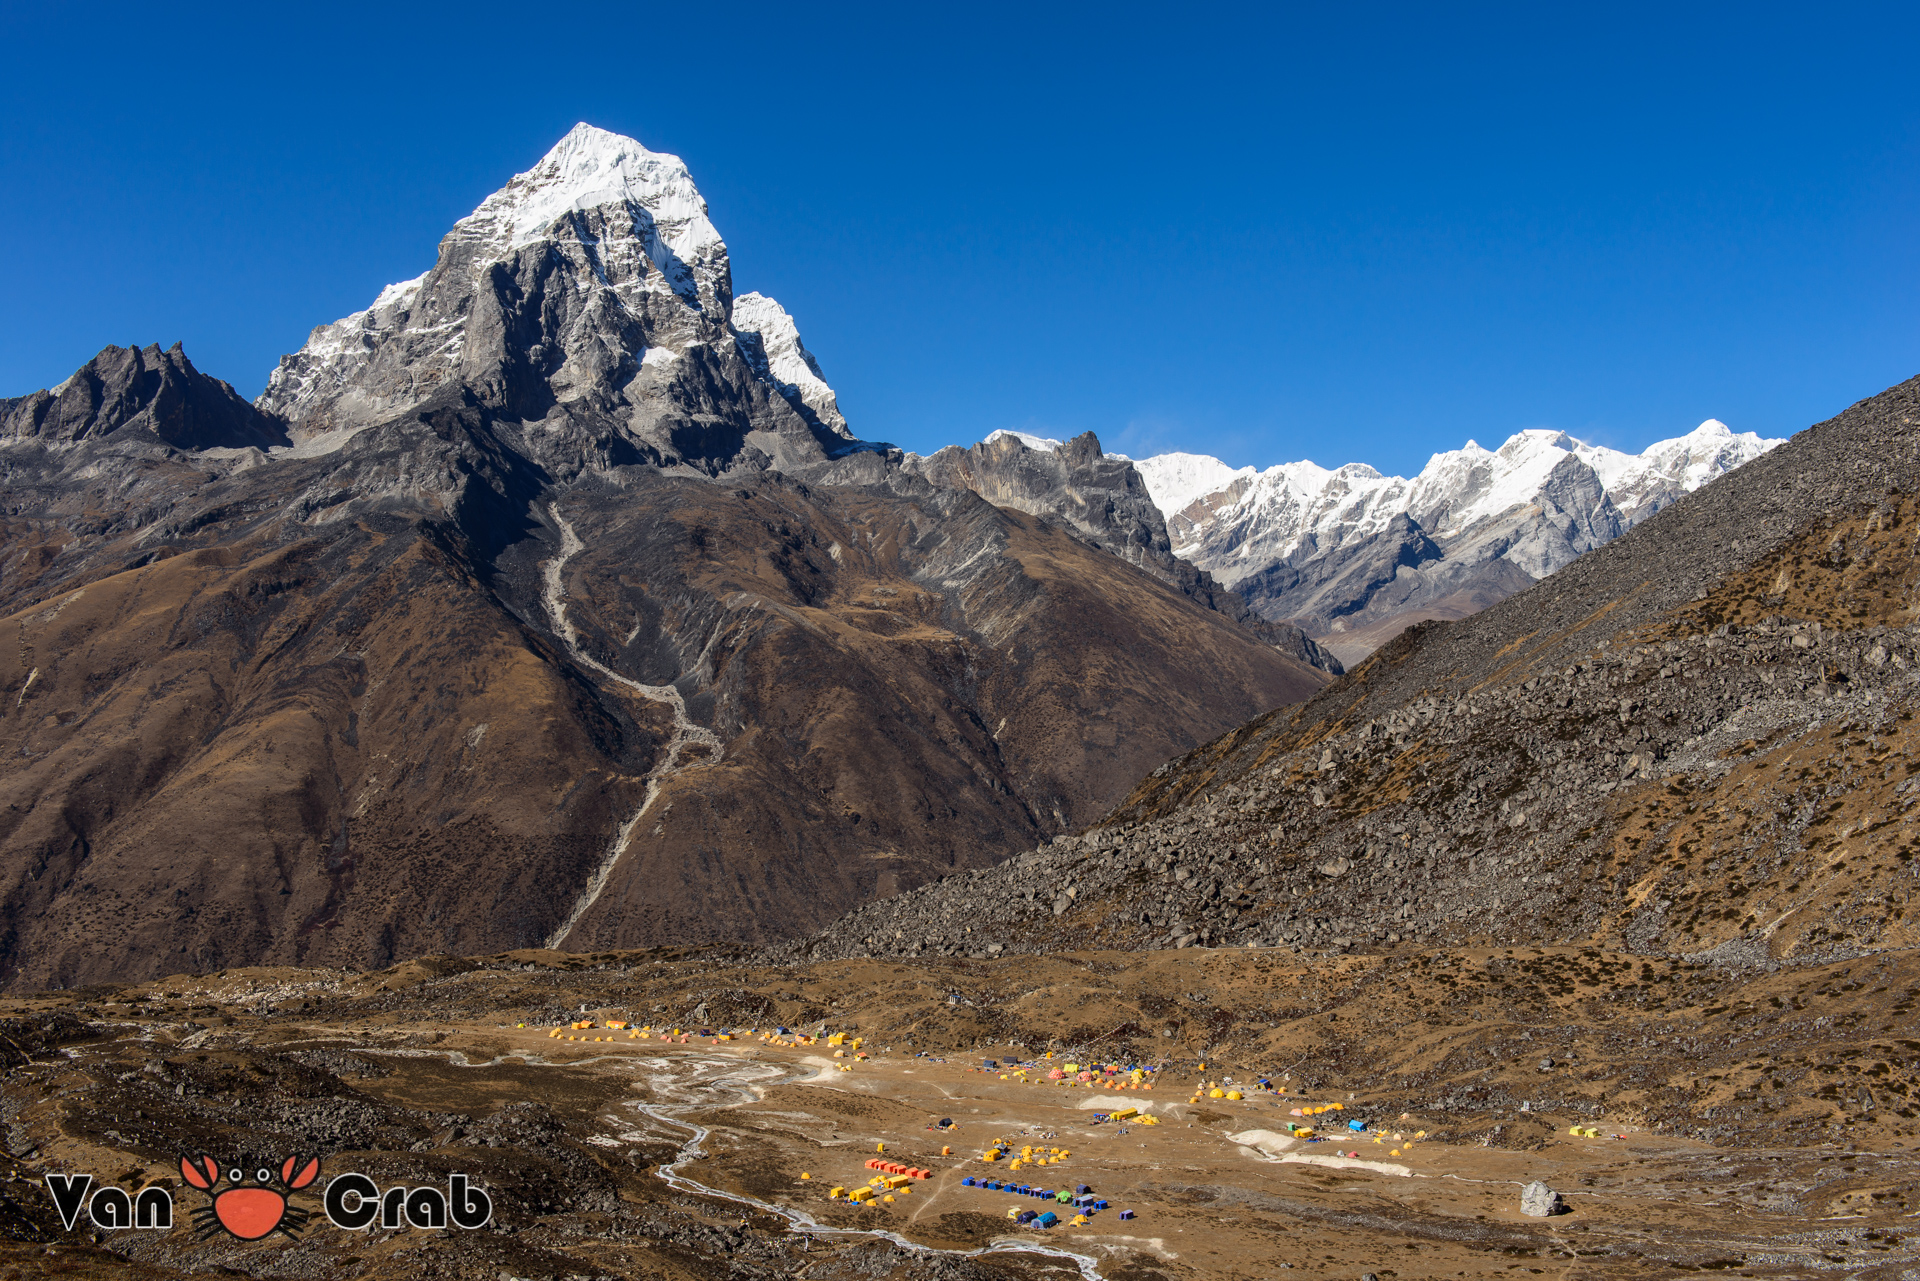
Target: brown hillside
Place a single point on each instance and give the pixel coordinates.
(321, 711)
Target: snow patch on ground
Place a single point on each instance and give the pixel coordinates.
(824, 1071)
(1270, 1144)
(1347, 1163)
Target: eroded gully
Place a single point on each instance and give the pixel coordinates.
(685, 733)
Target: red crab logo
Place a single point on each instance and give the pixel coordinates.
(250, 1209)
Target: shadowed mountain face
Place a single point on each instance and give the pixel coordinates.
(140, 396)
(328, 709)
(1104, 499)
(569, 617)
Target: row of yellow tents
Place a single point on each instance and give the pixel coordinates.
(1029, 1155)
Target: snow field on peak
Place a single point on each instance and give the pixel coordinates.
(1236, 519)
(788, 362)
(396, 294)
(638, 207)
(1175, 481)
(1465, 486)
(1457, 488)
(1284, 505)
(1045, 444)
(586, 169)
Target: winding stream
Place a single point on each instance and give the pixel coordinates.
(727, 1083)
(733, 1086)
(685, 732)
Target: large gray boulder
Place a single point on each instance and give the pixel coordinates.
(1540, 1201)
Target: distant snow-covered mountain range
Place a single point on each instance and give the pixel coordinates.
(1352, 555)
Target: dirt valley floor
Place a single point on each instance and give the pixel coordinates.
(1691, 1119)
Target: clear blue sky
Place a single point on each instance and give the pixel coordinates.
(1265, 233)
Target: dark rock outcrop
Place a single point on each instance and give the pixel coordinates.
(1102, 499)
(140, 395)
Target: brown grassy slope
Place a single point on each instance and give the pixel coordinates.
(887, 719)
(300, 754)
(315, 711)
(1805, 832)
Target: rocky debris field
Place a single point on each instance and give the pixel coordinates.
(1496, 815)
(259, 1066)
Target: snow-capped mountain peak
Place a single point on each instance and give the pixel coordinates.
(594, 280)
(588, 169)
(1347, 551)
(1176, 480)
(1533, 439)
(1540, 499)
(771, 342)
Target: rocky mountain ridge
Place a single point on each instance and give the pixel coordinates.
(592, 296)
(138, 398)
(594, 293)
(1103, 498)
